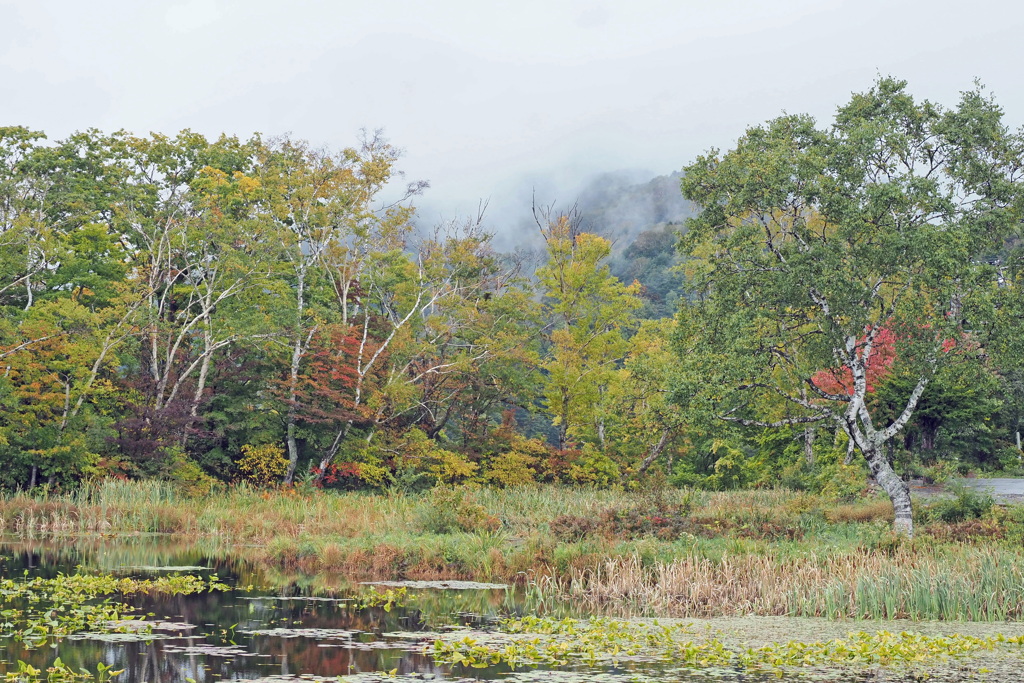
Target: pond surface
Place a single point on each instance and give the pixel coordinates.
(278, 627)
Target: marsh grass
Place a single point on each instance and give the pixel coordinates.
(986, 584)
(835, 560)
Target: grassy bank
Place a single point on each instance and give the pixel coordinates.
(689, 553)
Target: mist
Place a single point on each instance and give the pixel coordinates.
(494, 102)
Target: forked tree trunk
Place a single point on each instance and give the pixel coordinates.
(894, 487)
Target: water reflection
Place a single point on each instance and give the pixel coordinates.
(290, 625)
(216, 636)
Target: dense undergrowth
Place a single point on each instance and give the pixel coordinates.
(685, 552)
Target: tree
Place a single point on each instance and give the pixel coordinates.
(430, 325)
(319, 204)
(643, 422)
(589, 311)
(811, 242)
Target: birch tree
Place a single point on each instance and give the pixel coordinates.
(196, 251)
(323, 205)
(427, 325)
(813, 242)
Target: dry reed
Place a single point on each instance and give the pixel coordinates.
(985, 584)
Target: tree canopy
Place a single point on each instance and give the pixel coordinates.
(814, 245)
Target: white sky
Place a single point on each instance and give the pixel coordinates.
(490, 96)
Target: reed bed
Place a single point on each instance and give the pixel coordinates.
(114, 506)
(242, 513)
(842, 563)
(985, 584)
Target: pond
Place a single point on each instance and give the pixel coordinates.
(256, 624)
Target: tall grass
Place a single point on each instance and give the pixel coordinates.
(985, 584)
(841, 564)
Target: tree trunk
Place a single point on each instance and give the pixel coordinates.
(293, 375)
(894, 487)
(197, 397)
(809, 444)
(653, 453)
(929, 430)
(563, 436)
(851, 447)
(293, 447)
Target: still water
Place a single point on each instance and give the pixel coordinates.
(280, 627)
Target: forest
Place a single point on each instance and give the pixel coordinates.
(844, 301)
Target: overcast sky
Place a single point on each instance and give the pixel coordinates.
(491, 97)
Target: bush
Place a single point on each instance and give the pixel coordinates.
(446, 509)
(185, 474)
(1010, 459)
(720, 465)
(512, 469)
(422, 454)
(518, 466)
(941, 472)
(449, 467)
(841, 482)
(263, 465)
(966, 504)
(593, 467)
(572, 528)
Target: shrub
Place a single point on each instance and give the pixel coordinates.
(263, 465)
(345, 476)
(939, 473)
(966, 504)
(841, 482)
(1010, 459)
(188, 476)
(572, 528)
(593, 467)
(422, 454)
(518, 466)
(449, 467)
(448, 509)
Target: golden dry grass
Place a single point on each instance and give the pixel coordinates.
(911, 582)
(868, 511)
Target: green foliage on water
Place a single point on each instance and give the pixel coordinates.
(59, 672)
(34, 610)
(534, 641)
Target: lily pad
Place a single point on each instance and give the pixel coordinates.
(129, 637)
(439, 585)
(290, 598)
(367, 646)
(167, 568)
(210, 650)
(131, 625)
(279, 632)
(305, 678)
